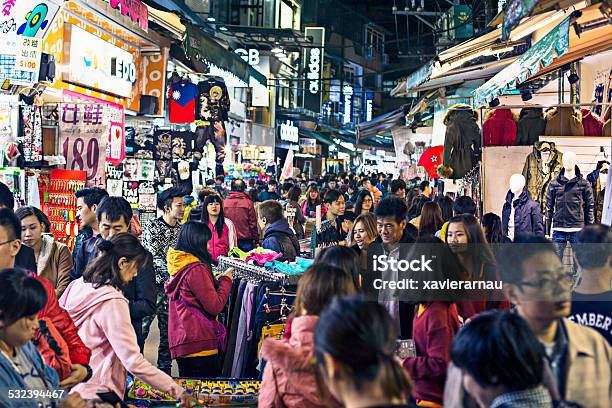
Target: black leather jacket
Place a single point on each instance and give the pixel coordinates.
(569, 203)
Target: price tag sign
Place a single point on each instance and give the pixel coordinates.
(28, 54)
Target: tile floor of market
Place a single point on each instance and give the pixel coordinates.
(151, 345)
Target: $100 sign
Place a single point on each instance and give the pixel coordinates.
(84, 136)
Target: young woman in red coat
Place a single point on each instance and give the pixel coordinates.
(195, 297)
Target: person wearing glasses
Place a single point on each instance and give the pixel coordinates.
(537, 283)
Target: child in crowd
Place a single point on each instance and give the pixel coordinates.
(289, 378)
(196, 297)
(21, 366)
(101, 313)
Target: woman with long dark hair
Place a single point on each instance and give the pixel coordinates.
(492, 225)
(223, 237)
(289, 377)
(466, 239)
(299, 220)
(431, 219)
(364, 203)
(354, 346)
(446, 206)
(313, 199)
(196, 297)
(101, 313)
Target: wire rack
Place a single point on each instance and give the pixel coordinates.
(249, 271)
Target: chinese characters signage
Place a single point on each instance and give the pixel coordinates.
(26, 18)
(28, 55)
(136, 10)
(21, 63)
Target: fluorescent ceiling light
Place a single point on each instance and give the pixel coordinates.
(277, 50)
(211, 19)
(222, 28)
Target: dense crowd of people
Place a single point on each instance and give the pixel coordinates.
(80, 321)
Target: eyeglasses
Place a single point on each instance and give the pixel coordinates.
(548, 284)
(7, 242)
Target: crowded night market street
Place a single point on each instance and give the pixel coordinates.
(305, 203)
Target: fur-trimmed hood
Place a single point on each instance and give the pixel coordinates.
(460, 111)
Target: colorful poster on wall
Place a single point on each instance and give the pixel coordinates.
(83, 140)
(27, 18)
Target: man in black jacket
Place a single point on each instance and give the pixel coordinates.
(114, 216)
(278, 236)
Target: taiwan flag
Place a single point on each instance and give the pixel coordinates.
(182, 102)
(431, 159)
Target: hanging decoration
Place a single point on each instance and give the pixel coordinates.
(431, 159)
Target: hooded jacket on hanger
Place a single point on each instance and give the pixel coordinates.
(564, 121)
(593, 126)
(533, 171)
(531, 125)
(598, 192)
(499, 129)
(569, 203)
(462, 144)
(528, 218)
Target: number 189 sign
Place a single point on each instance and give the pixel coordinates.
(83, 140)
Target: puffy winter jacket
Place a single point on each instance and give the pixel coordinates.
(530, 127)
(289, 378)
(239, 208)
(527, 215)
(220, 246)
(537, 179)
(499, 129)
(564, 121)
(462, 144)
(279, 238)
(569, 203)
(195, 300)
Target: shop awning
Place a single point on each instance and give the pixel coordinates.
(384, 122)
(179, 7)
(201, 47)
(540, 55)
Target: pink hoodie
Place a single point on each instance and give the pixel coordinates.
(102, 317)
(289, 378)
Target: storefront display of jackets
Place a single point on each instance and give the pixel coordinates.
(591, 123)
(531, 125)
(564, 121)
(598, 192)
(499, 129)
(528, 218)
(462, 144)
(213, 102)
(569, 203)
(533, 170)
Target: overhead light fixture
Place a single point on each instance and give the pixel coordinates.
(526, 95)
(211, 19)
(494, 103)
(277, 50)
(222, 28)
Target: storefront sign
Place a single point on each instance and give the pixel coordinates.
(313, 66)
(308, 143)
(136, 10)
(95, 63)
(368, 110)
(348, 104)
(83, 140)
(346, 145)
(19, 59)
(250, 56)
(289, 132)
(29, 19)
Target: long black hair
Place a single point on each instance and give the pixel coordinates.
(214, 198)
(370, 349)
(493, 224)
(359, 201)
(21, 295)
(341, 257)
(104, 270)
(193, 239)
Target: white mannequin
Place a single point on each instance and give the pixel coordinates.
(517, 184)
(569, 164)
(569, 161)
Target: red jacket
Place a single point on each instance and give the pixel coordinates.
(433, 331)
(239, 208)
(79, 352)
(499, 129)
(194, 303)
(593, 126)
